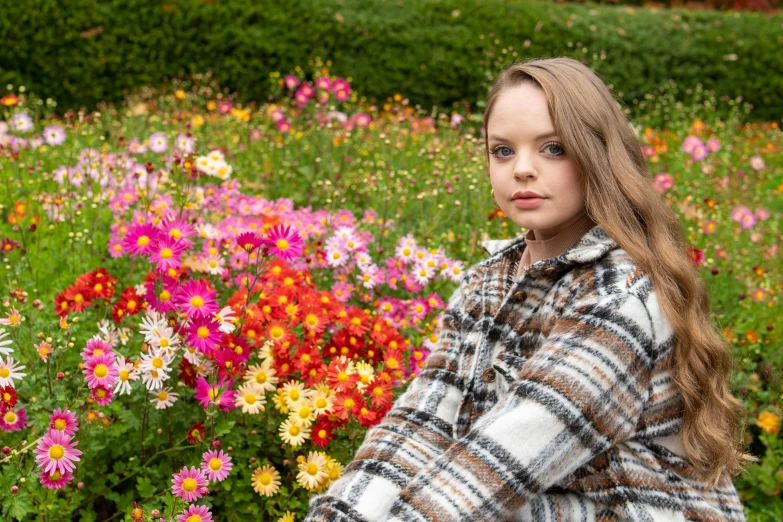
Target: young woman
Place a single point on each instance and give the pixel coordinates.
(576, 375)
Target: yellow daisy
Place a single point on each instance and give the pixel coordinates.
(293, 434)
(302, 415)
(288, 517)
(295, 393)
(250, 398)
(263, 376)
(312, 472)
(321, 402)
(280, 402)
(266, 481)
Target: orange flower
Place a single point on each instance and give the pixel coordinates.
(768, 422)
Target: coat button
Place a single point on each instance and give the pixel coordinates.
(519, 296)
(488, 375)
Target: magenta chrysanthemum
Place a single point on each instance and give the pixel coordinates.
(167, 253)
(204, 334)
(64, 421)
(189, 484)
(102, 395)
(13, 420)
(56, 451)
(140, 239)
(220, 394)
(284, 243)
(101, 370)
(195, 514)
(249, 241)
(196, 299)
(216, 465)
(55, 480)
(95, 346)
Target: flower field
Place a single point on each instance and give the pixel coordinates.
(205, 304)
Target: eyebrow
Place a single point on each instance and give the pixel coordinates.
(539, 137)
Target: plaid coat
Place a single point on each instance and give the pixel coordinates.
(546, 399)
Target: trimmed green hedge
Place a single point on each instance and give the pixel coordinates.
(428, 51)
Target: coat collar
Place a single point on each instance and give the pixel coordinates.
(593, 245)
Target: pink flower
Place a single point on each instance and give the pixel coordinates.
(249, 241)
(224, 108)
(739, 212)
(55, 480)
(140, 239)
(178, 229)
(291, 81)
(196, 299)
(11, 420)
(64, 421)
(206, 394)
(102, 395)
(204, 334)
(56, 452)
(189, 484)
(101, 371)
(663, 182)
(713, 145)
(216, 465)
(757, 163)
(195, 514)
(166, 253)
(95, 347)
(158, 142)
(699, 152)
(690, 143)
(283, 126)
(284, 243)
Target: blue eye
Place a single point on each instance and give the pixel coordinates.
(495, 151)
(554, 145)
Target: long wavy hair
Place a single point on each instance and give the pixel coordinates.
(620, 197)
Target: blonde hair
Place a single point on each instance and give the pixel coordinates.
(620, 196)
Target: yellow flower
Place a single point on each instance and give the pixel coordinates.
(180, 94)
(266, 481)
(293, 434)
(312, 472)
(288, 517)
(768, 422)
(197, 120)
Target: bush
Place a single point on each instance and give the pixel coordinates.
(432, 51)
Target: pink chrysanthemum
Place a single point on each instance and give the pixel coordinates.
(284, 243)
(140, 239)
(56, 451)
(13, 420)
(196, 299)
(249, 241)
(195, 514)
(220, 394)
(178, 228)
(189, 484)
(102, 395)
(101, 370)
(216, 465)
(167, 253)
(204, 334)
(96, 346)
(64, 421)
(55, 480)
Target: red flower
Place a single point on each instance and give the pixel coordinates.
(348, 403)
(187, 373)
(380, 393)
(7, 398)
(357, 322)
(338, 378)
(78, 296)
(196, 433)
(322, 432)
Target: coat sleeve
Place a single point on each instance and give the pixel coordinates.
(578, 395)
(414, 431)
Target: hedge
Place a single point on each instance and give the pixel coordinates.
(428, 51)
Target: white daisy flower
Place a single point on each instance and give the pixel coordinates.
(164, 398)
(250, 397)
(5, 343)
(262, 376)
(124, 335)
(128, 373)
(9, 371)
(226, 319)
(192, 355)
(154, 368)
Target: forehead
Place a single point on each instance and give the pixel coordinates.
(522, 109)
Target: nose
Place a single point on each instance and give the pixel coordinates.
(524, 168)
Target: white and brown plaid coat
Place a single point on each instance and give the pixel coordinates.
(547, 399)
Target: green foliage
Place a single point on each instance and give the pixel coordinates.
(85, 51)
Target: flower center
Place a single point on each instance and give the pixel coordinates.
(194, 518)
(250, 398)
(124, 375)
(55, 476)
(59, 424)
(261, 377)
(143, 241)
(282, 244)
(189, 485)
(312, 468)
(202, 332)
(56, 452)
(162, 396)
(165, 296)
(157, 362)
(164, 343)
(214, 393)
(101, 371)
(342, 376)
(215, 464)
(294, 430)
(166, 253)
(4, 373)
(196, 301)
(265, 479)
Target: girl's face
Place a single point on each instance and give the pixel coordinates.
(526, 155)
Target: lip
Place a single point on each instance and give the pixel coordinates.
(528, 202)
(526, 194)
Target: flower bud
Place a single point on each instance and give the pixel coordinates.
(155, 513)
(6, 450)
(80, 485)
(60, 376)
(216, 444)
(14, 489)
